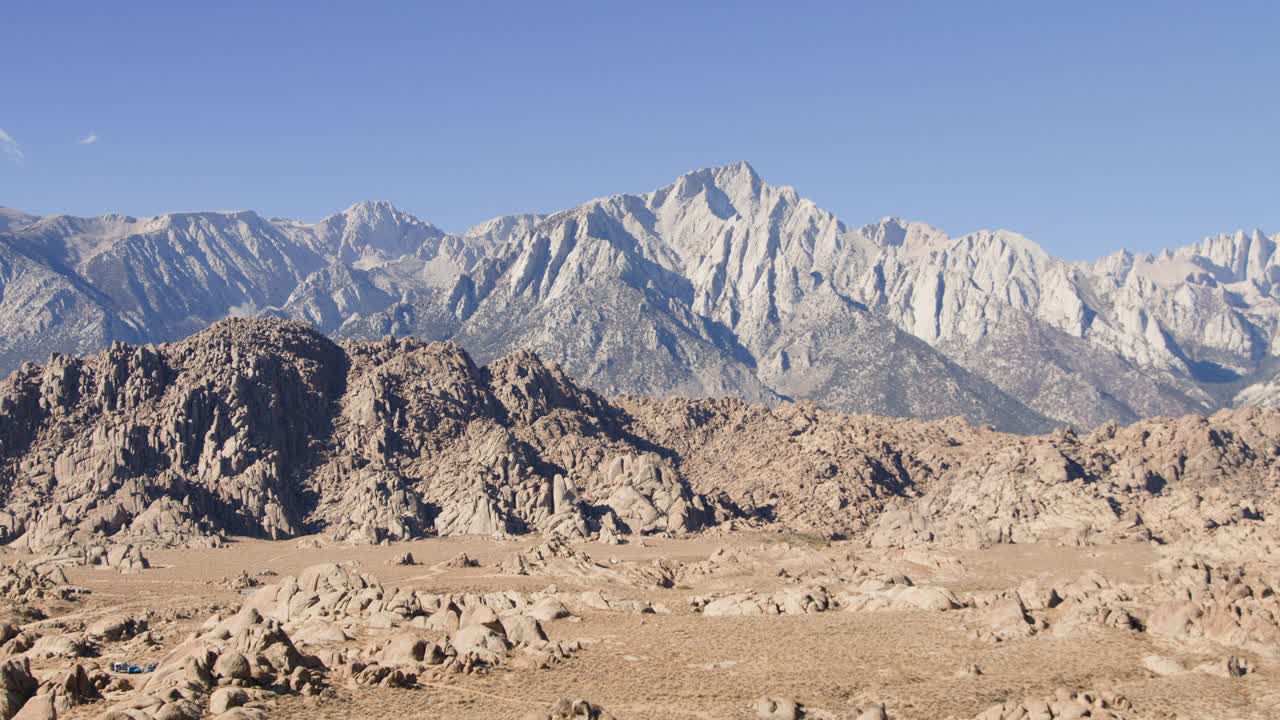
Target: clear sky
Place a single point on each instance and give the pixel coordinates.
(1088, 126)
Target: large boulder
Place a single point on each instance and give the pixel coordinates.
(17, 686)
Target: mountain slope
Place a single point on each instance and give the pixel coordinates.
(718, 283)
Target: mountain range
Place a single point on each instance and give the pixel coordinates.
(717, 284)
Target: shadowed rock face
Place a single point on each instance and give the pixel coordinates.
(717, 284)
(170, 442)
(268, 428)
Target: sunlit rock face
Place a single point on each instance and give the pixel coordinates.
(717, 284)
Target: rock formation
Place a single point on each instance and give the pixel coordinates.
(269, 429)
(23, 583)
(1063, 704)
(291, 638)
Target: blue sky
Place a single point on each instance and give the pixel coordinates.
(1088, 126)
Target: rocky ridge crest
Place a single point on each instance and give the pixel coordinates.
(268, 428)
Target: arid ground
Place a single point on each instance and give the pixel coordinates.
(748, 615)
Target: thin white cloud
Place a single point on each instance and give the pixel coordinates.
(89, 139)
(10, 147)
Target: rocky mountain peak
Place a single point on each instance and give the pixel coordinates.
(503, 229)
(530, 389)
(737, 176)
(909, 235)
(375, 231)
(375, 212)
(739, 180)
(716, 283)
(725, 191)
(1236, 257)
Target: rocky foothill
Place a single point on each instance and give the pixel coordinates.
(191, 528)
(268, 429)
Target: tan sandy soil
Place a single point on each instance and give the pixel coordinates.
(685, 664)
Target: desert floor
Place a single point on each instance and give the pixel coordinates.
(679, 663)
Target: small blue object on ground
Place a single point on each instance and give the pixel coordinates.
(131, 669)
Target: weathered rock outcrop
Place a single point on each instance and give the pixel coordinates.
(1064, 704)
(267, 428)
(1194, 600)
(23, 583)
(172, 443)
(292, 637)
(17, 685)
(555, 557)
(566, 709)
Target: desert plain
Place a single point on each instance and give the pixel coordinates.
(751, 623)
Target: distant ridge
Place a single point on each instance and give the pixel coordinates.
(717, 284)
